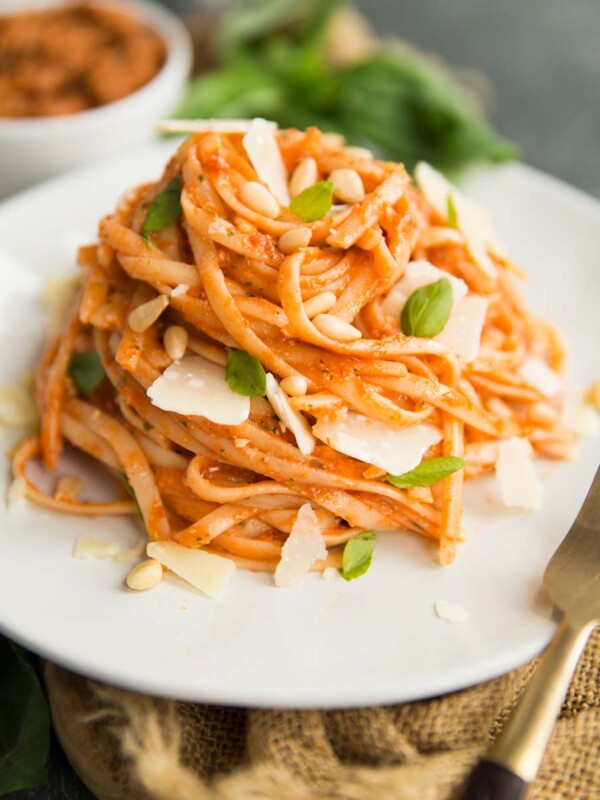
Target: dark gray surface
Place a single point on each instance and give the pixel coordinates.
(543, 57)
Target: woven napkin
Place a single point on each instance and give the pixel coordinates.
(127, 746)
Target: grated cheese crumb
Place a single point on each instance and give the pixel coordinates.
(451, 612)
(180, 289)
(89, 547)
(330, 573)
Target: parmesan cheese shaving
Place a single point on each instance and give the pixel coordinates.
(302, 548)
(472, 221)
(204, 125)
(207, 572)
(89, 548)
(194, 386)
(17, 408)
(519, 484)
(462, 332)
(579, 415)
(393, 448)
(263, 151)
(536, 372)
(291, 418)
(451, 612)
(55, 296)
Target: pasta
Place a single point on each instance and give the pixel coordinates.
(317, 312)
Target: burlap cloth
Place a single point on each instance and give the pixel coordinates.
(129, 747)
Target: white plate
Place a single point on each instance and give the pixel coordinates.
(327, 643)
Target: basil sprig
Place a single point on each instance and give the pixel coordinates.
(164, 210)
(245, 374)
(452, 213)
(358, 554)
(86, 371)
(313, 203)
(429, 471)
(427, 310)
(24, 722)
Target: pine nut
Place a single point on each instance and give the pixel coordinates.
(359, 152)
(542, 414)
(305, 174)
(320, 304)
(175, 341)
(144, 576)
(142, 317)
(336, 328)
(259, 199)
(348, 185)
(68, 487)
(104, 254)
(334, 139)
(294, 239)
(294, 385)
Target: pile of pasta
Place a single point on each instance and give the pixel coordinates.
(224, 273)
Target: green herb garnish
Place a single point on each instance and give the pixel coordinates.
(358, 554)
(429, 471)
(272, 61)
(86, 371)
(24, 722)
(427, 310)
(245, 374)
(164, 210)
(452, 214)
(313, 203)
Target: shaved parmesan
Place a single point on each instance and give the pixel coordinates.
(538, 374)
(88, 547)
(472, 221)
(263, 151)
(416, 275)
(451, 612)
(519, 484)
(462, 332)
(55, 297)
(207, 572)
(302, 548)
(579, 415)
(17, 408)
(204, 125)
(16, 496)
(291, 418)
(194, 386)
(180, 289)
(394, 448)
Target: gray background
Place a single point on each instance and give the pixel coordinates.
(543, 57)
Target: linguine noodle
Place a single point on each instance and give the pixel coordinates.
(236, 490)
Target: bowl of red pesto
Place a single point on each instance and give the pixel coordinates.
(83, 80)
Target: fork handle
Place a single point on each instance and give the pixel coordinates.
(515, 757)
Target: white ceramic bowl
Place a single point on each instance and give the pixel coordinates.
(35, 148)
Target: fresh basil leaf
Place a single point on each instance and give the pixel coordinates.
(131, 492)
(245, 374)
(452, 215)
(86, 371)
(427, 310)
(24, 722)
(313, 203)
(429, 471)
(358, 554)
(164, 209)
